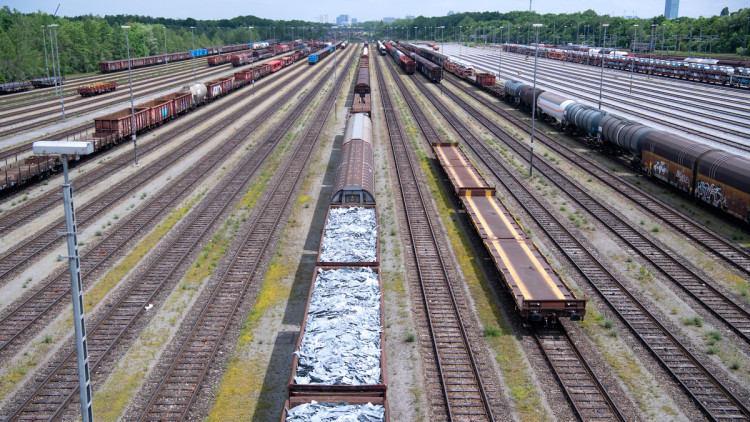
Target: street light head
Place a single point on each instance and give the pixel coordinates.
(605, 25)
(635, 24)
(52, 25)
(63, 147)
(125, 26)
(537, 25)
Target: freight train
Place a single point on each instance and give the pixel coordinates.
(402, 59)
(713, 176)
(119, 65)
(361, 102)
(324, 52)
(11, 87)
(118, 126)
(711, 72)
(346, 296)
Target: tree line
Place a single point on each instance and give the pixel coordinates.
(84, 41)
(725, 33)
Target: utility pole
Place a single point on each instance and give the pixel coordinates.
(533, 95)
(44, 42)
(166, 57)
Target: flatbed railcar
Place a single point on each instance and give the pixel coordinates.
(11, 87)
(118, 126)
(537, 289)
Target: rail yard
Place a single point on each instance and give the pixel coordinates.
(350, 227)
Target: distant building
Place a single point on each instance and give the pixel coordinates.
(389, 20)
(409, 17)
(342, 19)
(450, 12)
(354, 21)
(671, 8)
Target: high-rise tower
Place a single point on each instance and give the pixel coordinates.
(671, 8)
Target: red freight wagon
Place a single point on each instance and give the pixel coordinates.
(485, 79)
(218, 87)
(96, 89)
(119, 123)
(276, 65)
(181, 101)
(159, 109)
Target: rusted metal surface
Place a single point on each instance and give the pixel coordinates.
(376, 262)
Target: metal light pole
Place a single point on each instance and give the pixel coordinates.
(71, 231)
(416, 34)
(460, 41)
(533, 107)
(500, 53)
(132, 107)
(59, 71)
(632, 69)
(192, 32)
(143, 31)
(251, 35)
(166, 57)
(52, 56)
(44, 42)
(601, 79)
(651, 49)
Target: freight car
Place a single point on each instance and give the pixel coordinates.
(431, 70)
(403, 60)
(362, 86)
(325, 52)
(537, 289)
(381, 48)
(96, 89)
(118, 126)
(11, 87)
(47, 82)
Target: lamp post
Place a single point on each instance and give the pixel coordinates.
(601, 79)
(132, 107)
(533, 107)
(651, 49)
(460, 41)
(71, 231)
(192, 32)
(44, 42)
(166, 56)
(416, 33)
(52, 56)
(59, 70)
(500, 53)
(250, 28)
(632, 69)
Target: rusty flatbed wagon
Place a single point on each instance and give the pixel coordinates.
(538, 290)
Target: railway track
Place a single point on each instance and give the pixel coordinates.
(117, 327)
(178, 387)
(696, 232)
(454, 378)
(581, 385)
(583, 388)
(708, 392)
(703, 290)
(38, 95)
(28, 318)
(71, 96)
(97, 103)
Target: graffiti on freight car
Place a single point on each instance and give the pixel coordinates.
(711, 194)
(682, 179)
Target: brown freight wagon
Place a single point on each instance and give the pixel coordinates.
(293, 402)
(181, 101)
(218, 87)
(159, 110)
(670, 158)
(316, 391)
(119, 124)
(96, 89)
(363, 81)
(20, 171)
(485, 79)
(361, 104)
(723, 181)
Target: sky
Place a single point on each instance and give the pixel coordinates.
(363, 11)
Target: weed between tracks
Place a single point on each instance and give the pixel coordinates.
(16, 372)
(640, 384)
(516, 374)
(243, 383)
